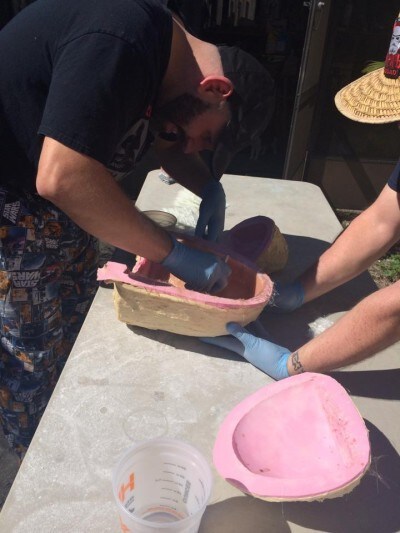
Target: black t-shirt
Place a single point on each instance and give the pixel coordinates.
(394, 180)
(84, 72)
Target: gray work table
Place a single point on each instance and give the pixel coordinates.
(122, 384)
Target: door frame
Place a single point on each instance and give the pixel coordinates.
(307, 90)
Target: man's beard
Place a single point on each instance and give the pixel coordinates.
(180, 111)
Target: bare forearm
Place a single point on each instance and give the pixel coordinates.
(89, 195)
(371, 326)
(187, 169)
(343, 261)
(367, 238)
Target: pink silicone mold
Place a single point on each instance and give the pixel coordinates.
(301, 438)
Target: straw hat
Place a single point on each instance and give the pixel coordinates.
(375, 97)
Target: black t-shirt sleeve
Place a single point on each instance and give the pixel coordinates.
(394, 180)
(99, 87)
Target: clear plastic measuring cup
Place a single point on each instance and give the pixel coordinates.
(163, 485)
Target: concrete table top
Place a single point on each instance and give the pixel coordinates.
(124, 384)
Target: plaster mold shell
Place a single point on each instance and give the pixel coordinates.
(151, 297)
(301, 438)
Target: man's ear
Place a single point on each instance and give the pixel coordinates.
(216, 88)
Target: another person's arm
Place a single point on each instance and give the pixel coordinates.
(191, 171)
(371, 326)
(367, 238)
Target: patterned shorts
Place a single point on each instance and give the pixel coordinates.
(47, 283)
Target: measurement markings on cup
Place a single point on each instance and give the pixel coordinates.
(175, 485)
(162, 489)
(187, 490)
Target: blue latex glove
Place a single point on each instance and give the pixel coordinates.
(286, 297)
(263, 354)
(202, 271)
(211, 212)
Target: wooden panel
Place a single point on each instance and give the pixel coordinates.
(349, 183)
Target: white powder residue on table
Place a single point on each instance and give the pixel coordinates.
(319, 326)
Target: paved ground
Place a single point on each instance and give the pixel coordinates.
(8, 468)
